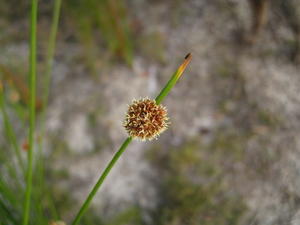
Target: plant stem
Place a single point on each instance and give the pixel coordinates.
(165, 91)
(46, 84)
(117, 155)
(32, 85)
(101, 179)
(50, 53)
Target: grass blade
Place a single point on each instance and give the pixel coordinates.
(10, 131)
(32, 85)
(164, 92)
(46, 84)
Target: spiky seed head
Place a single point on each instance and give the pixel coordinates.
(145, 119)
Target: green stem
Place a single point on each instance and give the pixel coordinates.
(48, 71)
(32, 85)
(175, 77)
(100, 180)
(50, 53)
(117, 155)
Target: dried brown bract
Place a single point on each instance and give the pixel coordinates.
(145, 119)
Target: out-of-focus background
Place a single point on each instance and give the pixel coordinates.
(232, 153)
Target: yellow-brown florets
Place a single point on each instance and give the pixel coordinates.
(145, 119)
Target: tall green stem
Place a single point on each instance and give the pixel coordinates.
(50, 53)
(101, 179)
(117, 155)
(32, 85)
(46, 85)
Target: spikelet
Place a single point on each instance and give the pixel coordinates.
(145, 119)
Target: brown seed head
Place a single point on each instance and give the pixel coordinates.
(145, 119)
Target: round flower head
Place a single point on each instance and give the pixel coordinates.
(145, 119)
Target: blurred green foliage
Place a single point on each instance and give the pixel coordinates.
(97, 24)
(104, 20)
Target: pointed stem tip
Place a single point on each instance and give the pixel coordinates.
(187, 60)
(173, 79)
(189, 55)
